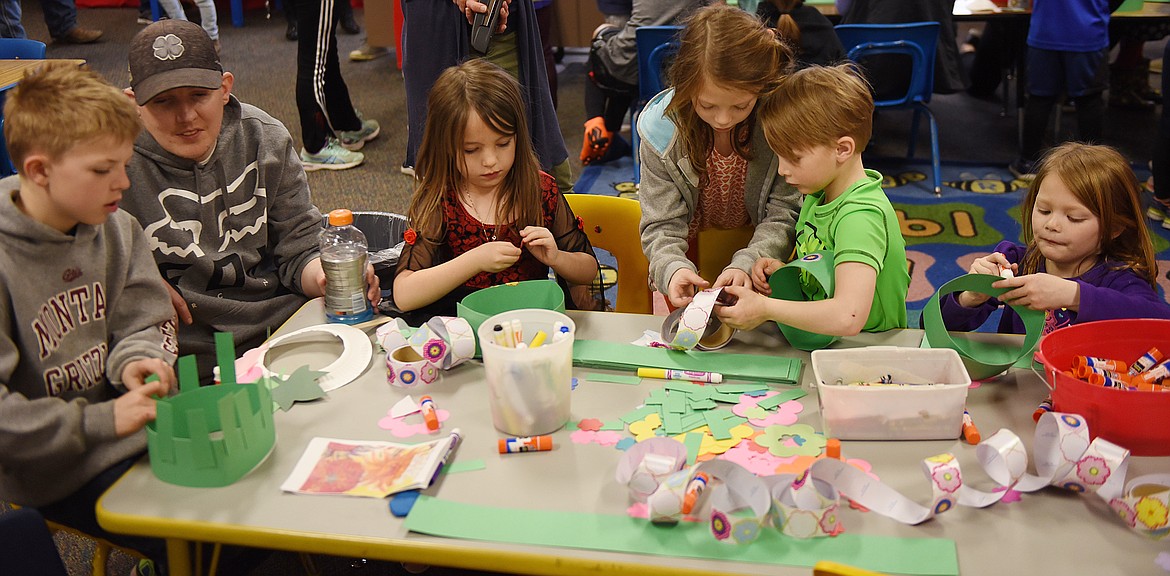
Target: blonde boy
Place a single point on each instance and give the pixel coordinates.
(818, 123)
(84, 316)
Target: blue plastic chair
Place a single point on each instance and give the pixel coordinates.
(656, 44)
(918, 41)
(15, 49)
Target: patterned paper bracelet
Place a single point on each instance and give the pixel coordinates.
(406, 368)
(695, 327)
(443, 341)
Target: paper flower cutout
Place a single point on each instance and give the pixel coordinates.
(582, 436)
(1163, 560)
(401, 428)
(720, 526)
(300, 386)
(1011, 495)
(1093, 470)
(625, 444)
(644, 429)
(786, 413)
(603, 437)
(591, 424)
(638, 510)
(795, 440)
(758, 463)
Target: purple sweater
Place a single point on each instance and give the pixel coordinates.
(1106, 294)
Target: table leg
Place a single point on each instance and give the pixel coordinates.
(178, 557)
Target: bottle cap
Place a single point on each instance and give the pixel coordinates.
(340, 217)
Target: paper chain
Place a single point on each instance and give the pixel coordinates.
(415, 356)
(807, 505)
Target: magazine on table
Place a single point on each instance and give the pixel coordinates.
(366, 467)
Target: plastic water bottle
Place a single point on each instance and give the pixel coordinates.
(344, 256)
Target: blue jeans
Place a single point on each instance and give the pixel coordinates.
(60, 17)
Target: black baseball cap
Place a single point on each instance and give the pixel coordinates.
(172, 54)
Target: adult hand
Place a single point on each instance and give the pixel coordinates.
(373, 286)
(747, 311)
(541, 243)
(761, 270)
(496, 256)
(470, 8)
(135, 408)
(683, 285)
(182, 310)
(732, 277)
(135, 373)
(1041, 292)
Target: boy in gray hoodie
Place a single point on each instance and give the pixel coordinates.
(84, 317)
(221, 193)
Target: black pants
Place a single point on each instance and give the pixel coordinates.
(322, 96)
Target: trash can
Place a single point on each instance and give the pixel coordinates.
(384, 231)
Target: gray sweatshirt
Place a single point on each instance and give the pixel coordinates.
(233, 234)
(74, 311)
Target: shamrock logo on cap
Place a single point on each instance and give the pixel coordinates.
(168, 47)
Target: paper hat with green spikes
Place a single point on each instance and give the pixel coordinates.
(211, 436)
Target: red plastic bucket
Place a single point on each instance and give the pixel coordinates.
(1137, 421)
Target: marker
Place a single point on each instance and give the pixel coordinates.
(526, 444)
(456, 436)
(1045, 406)
(427, 405)
(561, 333)
(694, 490)
(538, 340)
(692, 375)
(1147, 361)
(517, 332)
(499, 336)
(970, 432)
(833, 448)
(509, 336)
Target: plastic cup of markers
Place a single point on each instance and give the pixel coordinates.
(528, 388)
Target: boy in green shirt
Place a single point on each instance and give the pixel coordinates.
(818, 123)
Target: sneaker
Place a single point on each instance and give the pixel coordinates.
(1159, 210)
(332, 157)
(350, 26)
(1023, 169)
(597, 140)
(408, 170)
(367, 53)
(355, 139)
(79, 35)
(144, 567)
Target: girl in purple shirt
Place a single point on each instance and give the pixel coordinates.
(1088, 254)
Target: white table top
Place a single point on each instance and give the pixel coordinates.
(1048, 532)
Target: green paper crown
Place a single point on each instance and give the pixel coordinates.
(211, 436)
(785, 283)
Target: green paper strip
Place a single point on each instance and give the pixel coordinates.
(225, 356)
(693, 442)
(741, 388)
(672, 423)
(727, 398)
(982, 359)
(618, 356)
(916, 556)
(614, 378)
(638, 414)
(656, 397)
(614, 425)
(772, 402)
(692, 421)
(719, 424)
(464, 466)
(676, 403)
(188, 374)
(684, 387)
(704, 404)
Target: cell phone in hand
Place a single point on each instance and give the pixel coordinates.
(484, 26)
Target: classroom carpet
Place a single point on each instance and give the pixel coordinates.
(979, 207)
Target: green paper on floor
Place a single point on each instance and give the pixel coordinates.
(437, 517)
(618, 356)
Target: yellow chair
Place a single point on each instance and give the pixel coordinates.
(716, 247)
(612, 225)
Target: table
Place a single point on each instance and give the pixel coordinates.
(1049, 532)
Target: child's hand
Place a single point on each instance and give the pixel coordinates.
(135, 373)
(541, 243)
(682, 287)
(747, 312)
(761, 270)
(733, 277)
(182, 311)
(1041, 292)
(991, 264)
(495, 256)
(135, 408)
